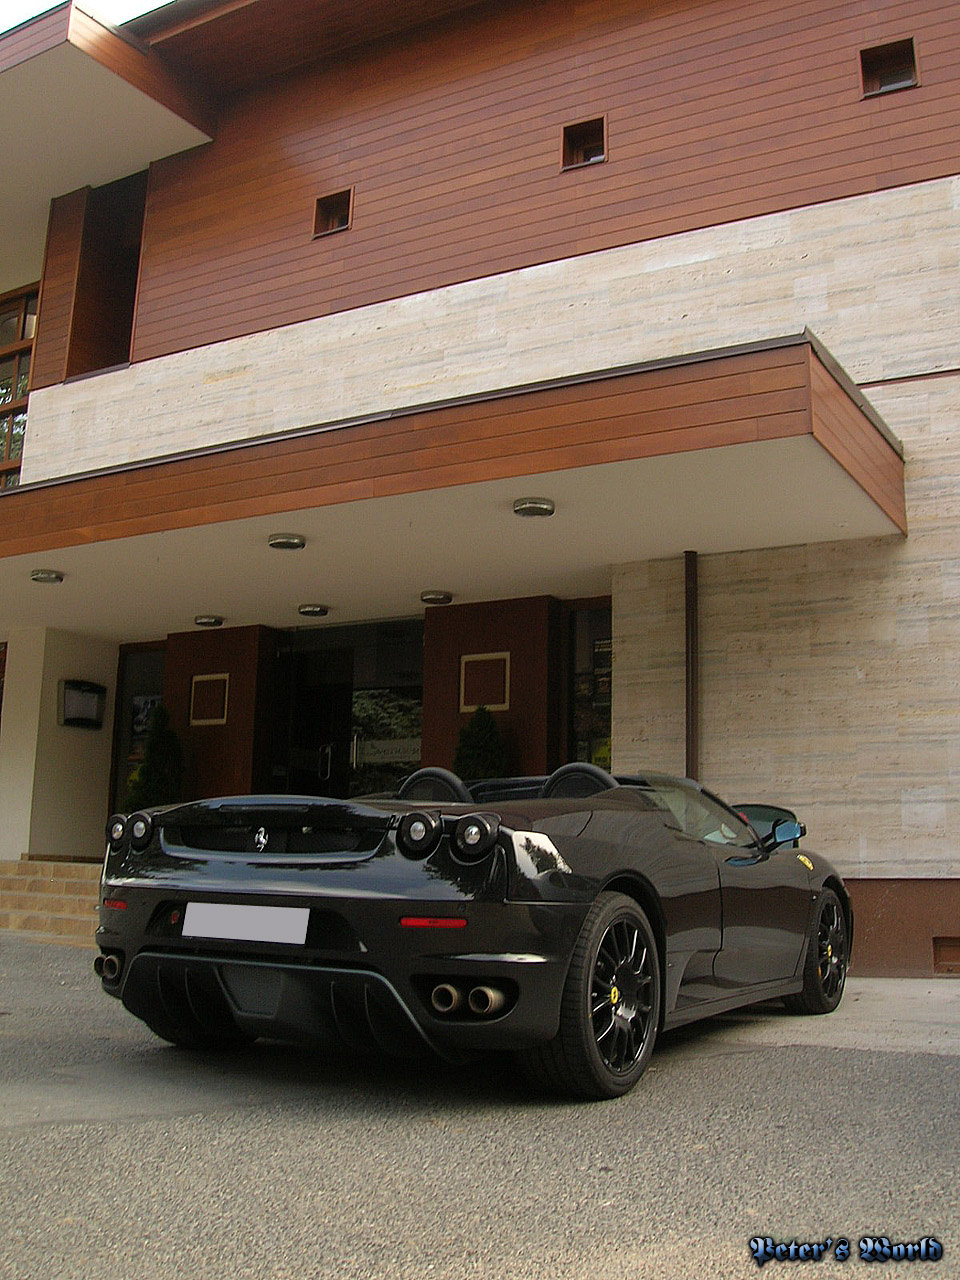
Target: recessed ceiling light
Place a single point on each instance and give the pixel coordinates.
(534, 507)
(46, 575)
(287, 541)
(435, 597)
(312, 610)
(208, 620)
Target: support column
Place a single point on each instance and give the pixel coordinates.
(19, 734)
(54, 778)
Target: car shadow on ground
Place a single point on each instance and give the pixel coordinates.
(279, 1069)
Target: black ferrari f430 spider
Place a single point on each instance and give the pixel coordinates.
(568, 919)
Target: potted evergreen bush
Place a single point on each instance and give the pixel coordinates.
(481, 751)
(158, 778)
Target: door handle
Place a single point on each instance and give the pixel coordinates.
(355, 752)
(325, 762)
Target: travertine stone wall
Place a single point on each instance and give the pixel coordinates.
(876, 277)
(830, 673)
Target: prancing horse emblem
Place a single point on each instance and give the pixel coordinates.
(260, 839)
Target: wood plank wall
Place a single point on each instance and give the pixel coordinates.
(854, 442)
(58, 288)
(141, 68)
(451, 138)
(760, 395)
(107, 276)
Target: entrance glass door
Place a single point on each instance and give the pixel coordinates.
(591, 672)
(349, 709)
(385, 745)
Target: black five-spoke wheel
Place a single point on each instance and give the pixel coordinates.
(610, 1009)
(825, 967)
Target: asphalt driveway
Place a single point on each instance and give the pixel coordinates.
(123, 1158)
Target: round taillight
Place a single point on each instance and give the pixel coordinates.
(474, 837)
(141, 829)
(116, 830)
(418, 834)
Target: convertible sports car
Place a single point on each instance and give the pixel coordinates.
(567, 918)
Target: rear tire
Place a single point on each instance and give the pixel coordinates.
(610, 1008)
(825, 966)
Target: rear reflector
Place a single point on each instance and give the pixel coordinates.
(433, 922)
(117, 904)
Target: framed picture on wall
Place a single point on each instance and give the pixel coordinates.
(208, 698)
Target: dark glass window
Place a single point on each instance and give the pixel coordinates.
(888, 67)
(18, 324)
(591, 684)
(333, 213)
(584, 143)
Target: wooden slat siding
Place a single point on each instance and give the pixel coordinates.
(140, 68)
(58, 289)
(285, 33)
(390, 456)
(26, 41)
(722, 384)
(753, 396)
(376, 460)
(872, 462)
(851, 439)
(106, 277)
(216, 46)
(716, 111)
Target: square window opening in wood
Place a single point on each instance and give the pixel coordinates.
(584, 143)
(888, 67)
(333, 213)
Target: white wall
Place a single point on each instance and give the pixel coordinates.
(54, 780)
(19, 727)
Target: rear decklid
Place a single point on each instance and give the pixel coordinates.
(275, 828)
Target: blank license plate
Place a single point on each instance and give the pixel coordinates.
(246, 924)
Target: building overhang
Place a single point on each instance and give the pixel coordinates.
(81, 104)
(762, 446)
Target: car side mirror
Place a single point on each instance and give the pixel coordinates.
(786, 831)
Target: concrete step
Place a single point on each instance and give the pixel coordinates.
(49, 925)
(88, 872)
(54, 904)
(54, 899)
(55, 888)
(52, 867)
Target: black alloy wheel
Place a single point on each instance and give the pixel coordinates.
(621, 995)
(610, 1010)
(825, 967)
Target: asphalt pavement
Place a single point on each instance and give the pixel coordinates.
(122, 1158)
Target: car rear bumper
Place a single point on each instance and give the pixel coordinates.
(373, 991)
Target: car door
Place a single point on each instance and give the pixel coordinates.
(765, 897)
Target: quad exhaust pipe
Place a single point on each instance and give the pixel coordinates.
(445, 998)
(107, 967)
(486, 1001)
(483, 1002)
